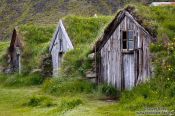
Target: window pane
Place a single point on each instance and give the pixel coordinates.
(130, 44)
(124, 35)
(130, 35)
(61, 45)
(124, 45)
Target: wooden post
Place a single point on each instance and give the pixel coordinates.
(18, 52)
(19, 64)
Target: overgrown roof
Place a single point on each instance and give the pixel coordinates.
(129, 11)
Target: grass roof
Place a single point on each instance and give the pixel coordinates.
(83, 32)
(159, 20)
(36, 39)
(3, 51)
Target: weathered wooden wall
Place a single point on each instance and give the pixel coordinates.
(119, 68)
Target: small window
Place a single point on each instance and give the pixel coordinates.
(128, 40)
(124, 44)
(61, 45)
(124, 40)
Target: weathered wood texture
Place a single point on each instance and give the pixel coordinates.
(59, 46)
(125, 68)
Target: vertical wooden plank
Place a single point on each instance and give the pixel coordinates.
(118, 58)
(129, 74)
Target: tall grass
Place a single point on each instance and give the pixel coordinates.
(17, 80)
(36, 39)
(62, 86)
(3, 50)
(162, 17)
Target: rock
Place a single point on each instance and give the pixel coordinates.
(8, 71)
(35, 71)
(95, 15)
(90, 74)
(91, 56)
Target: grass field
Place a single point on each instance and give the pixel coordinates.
(13, 103)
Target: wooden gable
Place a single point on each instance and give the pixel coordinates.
(112, 27)
(61, 39)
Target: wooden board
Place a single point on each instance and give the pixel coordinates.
(128, 70)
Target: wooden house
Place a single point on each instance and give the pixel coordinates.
(59, 46)
(15, 50)
(122, 54)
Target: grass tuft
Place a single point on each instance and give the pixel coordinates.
(63, 86)
(39, 101)
(17, 80)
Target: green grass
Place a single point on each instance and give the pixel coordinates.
(83, 31)
(47, 12)
(161, 19)
(16, 80)
(68, 86)
(36, 39)
(3, 51)
(31, 101)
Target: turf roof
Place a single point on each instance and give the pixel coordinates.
(83, 31)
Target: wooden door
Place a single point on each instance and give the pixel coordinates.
(128, 71)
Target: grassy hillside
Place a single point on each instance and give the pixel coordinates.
(16, 12)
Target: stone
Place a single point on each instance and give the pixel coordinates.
(91, 56)
(36, 71)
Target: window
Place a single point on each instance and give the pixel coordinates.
(61, 45)
(124, 40)
(128, 40)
